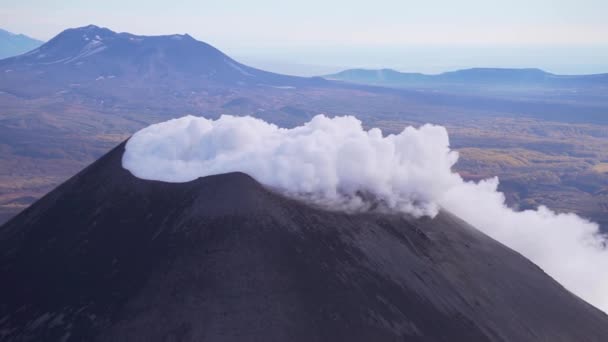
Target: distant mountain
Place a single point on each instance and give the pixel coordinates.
(12, 44)
(470, 77)
(110, 257)
(90, 54)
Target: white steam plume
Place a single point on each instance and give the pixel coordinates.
(334, 161)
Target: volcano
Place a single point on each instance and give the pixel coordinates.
(110, 257)
(89, 57)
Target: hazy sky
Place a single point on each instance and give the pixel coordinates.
(335, 33)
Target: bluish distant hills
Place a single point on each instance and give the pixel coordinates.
(12, 44)
(469, 77)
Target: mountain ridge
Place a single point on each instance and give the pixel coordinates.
(471, 76)
(89, 54)
(13, 44)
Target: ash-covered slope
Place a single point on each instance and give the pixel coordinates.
(110, 257)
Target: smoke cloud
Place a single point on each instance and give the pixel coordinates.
(335, 162)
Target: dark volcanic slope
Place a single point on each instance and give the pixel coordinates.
(109, 257)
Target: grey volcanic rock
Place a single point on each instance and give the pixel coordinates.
(110, 257)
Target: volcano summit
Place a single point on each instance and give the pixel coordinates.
(108, 256)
